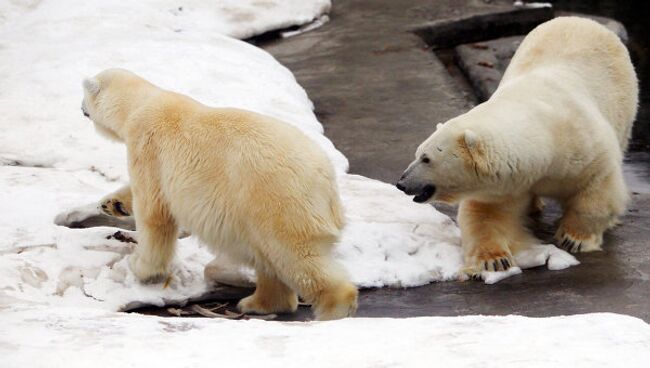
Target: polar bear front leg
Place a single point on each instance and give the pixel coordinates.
(591, 212)
(157, 232)
(118, 203)
(491, 233)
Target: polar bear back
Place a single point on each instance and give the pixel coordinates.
(590, 54)
(225, 172)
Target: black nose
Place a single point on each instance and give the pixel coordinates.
(400, 186)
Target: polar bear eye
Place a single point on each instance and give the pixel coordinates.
(425, 159)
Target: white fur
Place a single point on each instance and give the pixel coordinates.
(557, 127)
(91, 85)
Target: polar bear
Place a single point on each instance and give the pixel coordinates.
(557, 127)
(254, 187)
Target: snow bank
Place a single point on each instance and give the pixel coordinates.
(64, 337)
(235, 18)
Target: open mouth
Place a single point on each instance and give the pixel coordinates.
(427, 192)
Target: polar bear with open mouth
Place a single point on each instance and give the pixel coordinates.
(557, 127)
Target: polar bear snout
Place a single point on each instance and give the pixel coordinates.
(422, 191)
(425, 194)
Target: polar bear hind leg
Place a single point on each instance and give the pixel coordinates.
(271, 295)
(592, 211)
(316, 277)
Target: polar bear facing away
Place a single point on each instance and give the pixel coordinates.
(247, 184)
(556, 127)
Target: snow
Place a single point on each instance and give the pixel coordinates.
(236, 18)
(307, 27)
(63, 337)
(533, 5)
(553, 257)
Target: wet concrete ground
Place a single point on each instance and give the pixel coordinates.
(379, 91)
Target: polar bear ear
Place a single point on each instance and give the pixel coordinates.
(471, 139)
(473, 153)
(91, 85)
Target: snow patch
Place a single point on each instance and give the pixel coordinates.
(492, 277)
(64, 337)
(545, 254)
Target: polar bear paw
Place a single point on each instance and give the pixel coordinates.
(114, 207)
(573, 243)
(146, 271)
(497, 259)
(259, 305)
(337, 302)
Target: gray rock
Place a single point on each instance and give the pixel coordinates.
(485, 62)
(471, 28)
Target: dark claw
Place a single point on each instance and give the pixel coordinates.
(566, 243)
(505, 264)
(494, 264)
(570, 245)
(575, 247)
(485, 265)
(119, 207)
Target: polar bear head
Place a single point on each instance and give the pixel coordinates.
(109, 98)
(454, 162)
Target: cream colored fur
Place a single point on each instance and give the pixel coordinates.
(252, 186)
(556, 127)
